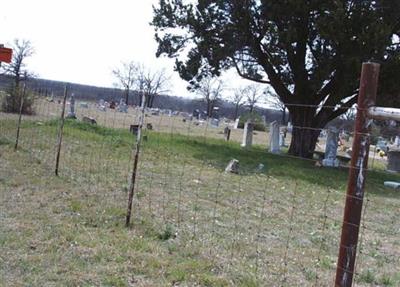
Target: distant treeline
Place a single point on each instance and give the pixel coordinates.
(45, 88)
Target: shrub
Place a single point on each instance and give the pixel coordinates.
(259, 124)
(11, 102)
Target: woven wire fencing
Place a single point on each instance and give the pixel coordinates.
(276, 221)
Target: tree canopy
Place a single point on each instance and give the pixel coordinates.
(310, 52)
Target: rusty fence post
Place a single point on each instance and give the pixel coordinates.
(60, 131)
(135, 161)
(357, 174)
(21, 106)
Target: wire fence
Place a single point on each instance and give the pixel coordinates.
(278, 219)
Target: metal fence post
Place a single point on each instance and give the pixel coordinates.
(357, 173)
(60, 131)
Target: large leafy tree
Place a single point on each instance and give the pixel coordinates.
(309, 51)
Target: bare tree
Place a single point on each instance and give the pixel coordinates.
(238, 99)
(151, 83)
(253, 96)
(210, 89)
(275, 102)
(22, 49)
(126, 76)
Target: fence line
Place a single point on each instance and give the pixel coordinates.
(251, 222)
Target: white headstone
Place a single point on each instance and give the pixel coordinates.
(274, 137)
(331, 149)
(236, 124)
(247, 134)
(397, 141)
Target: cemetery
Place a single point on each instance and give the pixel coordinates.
(195, 190)
(257, 144)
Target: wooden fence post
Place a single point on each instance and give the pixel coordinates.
(357, 174)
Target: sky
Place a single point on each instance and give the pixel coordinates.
(81, 41)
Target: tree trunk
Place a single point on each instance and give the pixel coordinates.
(126, 96)
(305, 132)
(236, 111)
(209, 108)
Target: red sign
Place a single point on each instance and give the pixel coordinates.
(5, 55)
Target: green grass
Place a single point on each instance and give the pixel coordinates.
(192, 224)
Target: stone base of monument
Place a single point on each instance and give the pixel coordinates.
(330, 162)
(392, 184)
(71, 116)
(393, 161)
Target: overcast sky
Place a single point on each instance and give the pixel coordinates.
(81, 41)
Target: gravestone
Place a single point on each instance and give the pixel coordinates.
(102, 106)
(122, 107)
(214, 123)
(331, 149)
(71, 113)
(233, 166)
(149, 126)
(227, 133)
(274, 137)
(397, 141)
(236, 124)
(112, 105)
(89, 120)
(247, 134)
(264, 119)
(84, 105)
(281, 139)
(393, 157)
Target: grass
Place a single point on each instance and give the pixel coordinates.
(193, 225)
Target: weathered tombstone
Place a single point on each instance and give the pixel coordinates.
(196, 113)
(248, 134)
(102, 106)
(393, 157)
(149, 126)
(331, 149)
(71, 113)
(227, 133)
(233, 166)
(214, 123)
(281, 139)
(289, 127)
(89, 120)
(392, 184)
(84, 105)
(264, 119)
(122, 107)
(274, 137)
(236, 124)
(112, 105)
